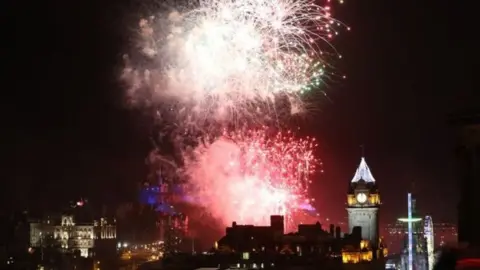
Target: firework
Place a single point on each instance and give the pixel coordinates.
(224, 55)
(248, 176)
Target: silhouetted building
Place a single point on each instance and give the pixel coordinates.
(15, 241)
(250, 238)
(310, 239)
(265, 246)
(468, 154)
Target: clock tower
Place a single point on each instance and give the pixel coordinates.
(363, 203)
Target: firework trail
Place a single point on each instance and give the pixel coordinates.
(225, 58)
(228, 61)
(246, 176)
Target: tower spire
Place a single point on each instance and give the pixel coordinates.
(362, 147)
(413, 192)
(363, 173)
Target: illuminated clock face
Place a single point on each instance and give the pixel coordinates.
(361, 197)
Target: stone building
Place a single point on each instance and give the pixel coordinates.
(63, 233)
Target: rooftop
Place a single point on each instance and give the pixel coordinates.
(363, 173)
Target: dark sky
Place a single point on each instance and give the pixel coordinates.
(66, 132)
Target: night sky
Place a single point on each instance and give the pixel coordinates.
(67, 133)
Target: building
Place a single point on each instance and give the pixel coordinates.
(444, 233)
(95, 241)
(412, 236)
(352, 254)
(468, 155)
(395, 236)
(15, 241)
(250, 238)
(249, 246)
(159, 196)
(63, 233)
(174, 232)
(105, 243)
(363, 203)
(104, 229)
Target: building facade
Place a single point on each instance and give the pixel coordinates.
(105, 229)
(265, 241)
(363, 203)
(309, 245)
(64, 234)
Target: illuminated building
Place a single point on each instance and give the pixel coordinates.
(149, 194)
(162, 192)
(416, 238)
(395, 234)
(105, 250)
(352, 254)
(64, 233)
(174, 231)
(445, 234)
(363, 202)
(468, 155)
(440, 234)
(104, 229)
(356, 250)
(172, 224)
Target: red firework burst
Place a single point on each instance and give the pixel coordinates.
(246, 176)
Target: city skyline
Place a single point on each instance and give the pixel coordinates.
(81, 138)
(240, 134)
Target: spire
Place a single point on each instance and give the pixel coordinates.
(363, 173)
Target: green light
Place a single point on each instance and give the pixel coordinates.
(412, 220)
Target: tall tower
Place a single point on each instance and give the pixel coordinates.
(363, 203)
(414, 254)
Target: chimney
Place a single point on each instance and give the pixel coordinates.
(277, 224)
(338, 232)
